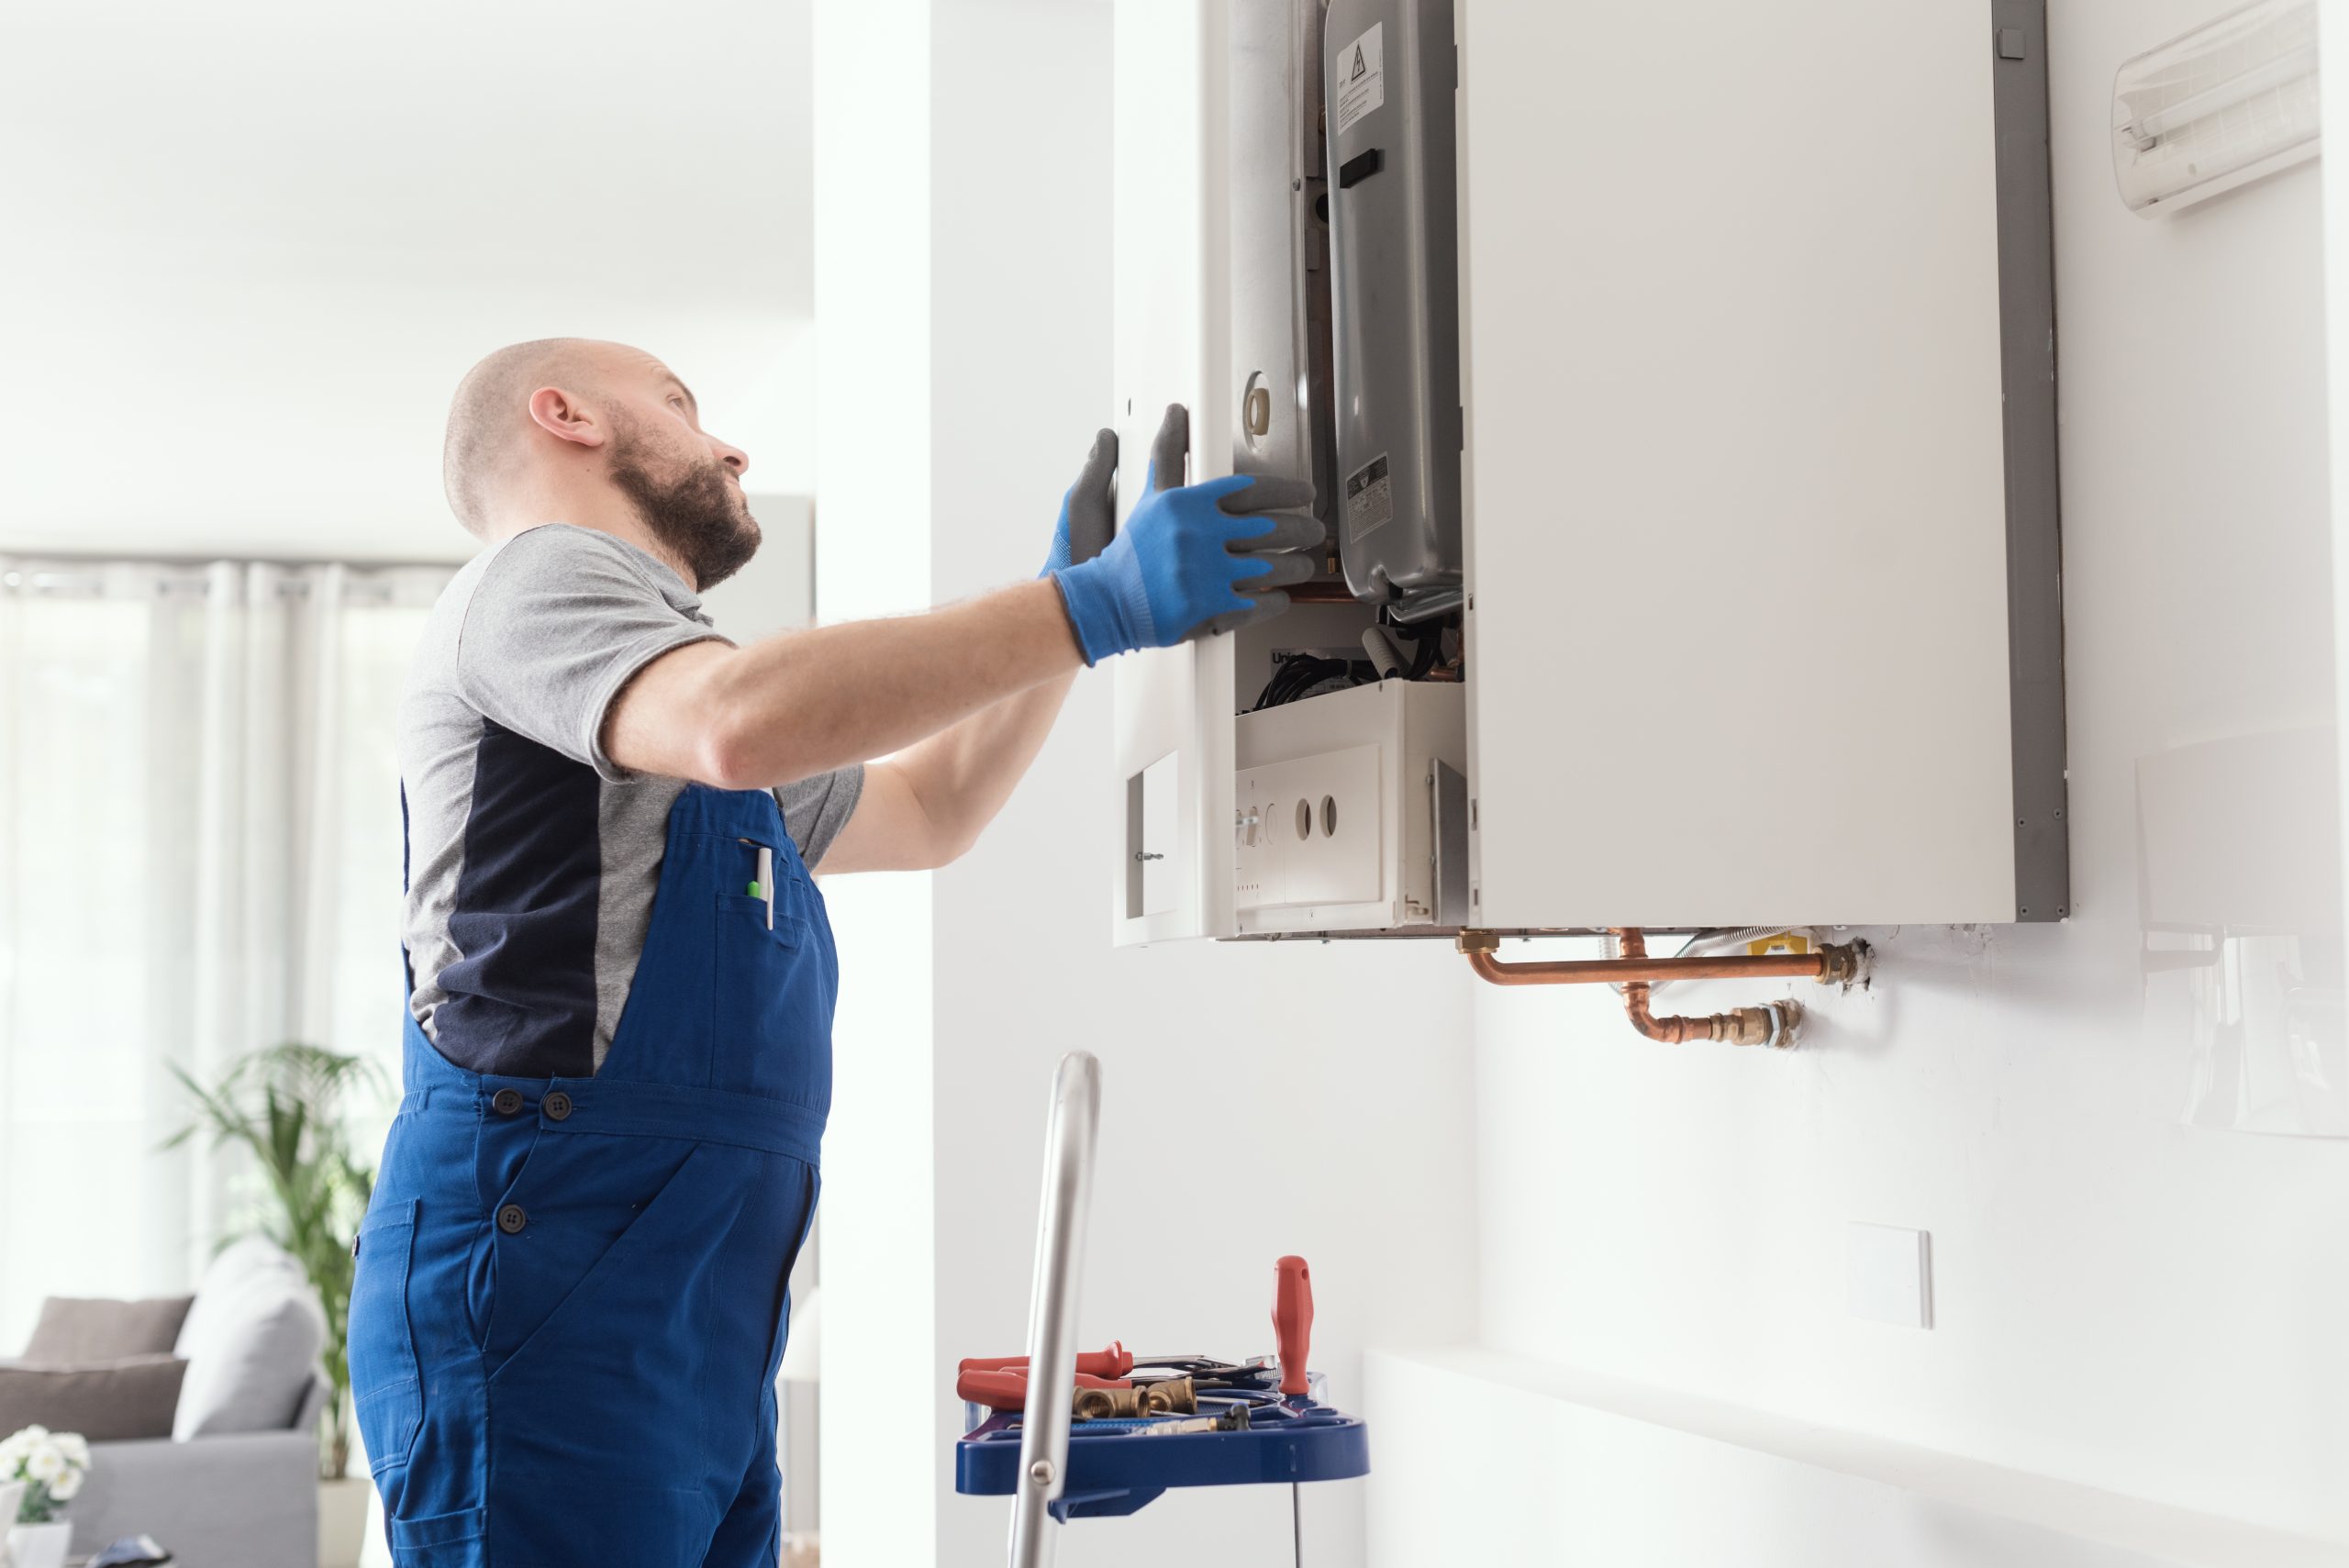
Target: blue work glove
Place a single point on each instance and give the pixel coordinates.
(1192, 560)
(1089, 510)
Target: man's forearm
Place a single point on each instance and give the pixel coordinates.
(961, 776)
(807, 702)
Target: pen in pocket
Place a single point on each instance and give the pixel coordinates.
(762, 877)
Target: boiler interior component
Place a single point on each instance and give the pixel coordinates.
(1350, 810)
(1280, 249)
(1395, 283)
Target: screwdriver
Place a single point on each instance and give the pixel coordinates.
(1293, 1332)
(1293, 1321)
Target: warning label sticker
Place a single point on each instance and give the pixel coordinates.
(1370, 498)
(1361, 76)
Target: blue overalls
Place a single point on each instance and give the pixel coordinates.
(569, 1298)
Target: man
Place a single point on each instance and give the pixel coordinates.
(568, 1307)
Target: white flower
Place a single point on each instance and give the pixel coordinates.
(75, 1448)
(19, 1445)
(46, 1465)
(65, 1485)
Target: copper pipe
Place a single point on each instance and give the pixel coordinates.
(1319, 593)
(1740, 1026)
(1771, 1024)
(1629, 968)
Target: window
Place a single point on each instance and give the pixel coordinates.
(199, 855)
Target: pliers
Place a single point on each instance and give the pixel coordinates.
(1000, 1383)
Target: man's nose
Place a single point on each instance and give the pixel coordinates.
(734, 458)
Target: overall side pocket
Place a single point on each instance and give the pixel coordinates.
(790, 1263)
(383, 1382)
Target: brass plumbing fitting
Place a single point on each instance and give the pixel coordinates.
(1174, 1396)
(1773, 1023)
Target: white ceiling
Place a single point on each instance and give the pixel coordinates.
(247, 249)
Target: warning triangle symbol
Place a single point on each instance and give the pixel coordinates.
(1359, 69)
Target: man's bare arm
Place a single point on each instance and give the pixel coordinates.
(805, 702)
(924, 807)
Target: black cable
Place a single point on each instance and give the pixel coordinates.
(1295, 674)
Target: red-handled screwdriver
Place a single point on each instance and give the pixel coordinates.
(1293, 1320)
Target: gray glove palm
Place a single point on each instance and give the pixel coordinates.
(1286, 549)
(1089, 510)
(1088, 520)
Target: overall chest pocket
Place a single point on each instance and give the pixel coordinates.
(736, 912)
(773, 1007)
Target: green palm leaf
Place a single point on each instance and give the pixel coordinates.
(283, 1105)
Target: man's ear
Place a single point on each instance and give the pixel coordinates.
(565, 418)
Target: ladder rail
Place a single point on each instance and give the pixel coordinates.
(1051, 1306)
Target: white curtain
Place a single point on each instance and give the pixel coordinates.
(199, 856)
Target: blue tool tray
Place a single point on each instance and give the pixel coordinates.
(1112, 1469)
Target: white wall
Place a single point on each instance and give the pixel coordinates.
(1258, 1102)
(776, 592)
(2120, 1300)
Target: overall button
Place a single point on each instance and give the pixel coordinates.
(557, 1106)
(506, 1102)
(511, 1219)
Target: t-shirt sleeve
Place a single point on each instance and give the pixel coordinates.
(559, 623)
(815, 810)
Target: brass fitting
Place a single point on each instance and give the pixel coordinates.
(1772, 1024)
(1841, 964)
(1478, 941)
(1175, 1396)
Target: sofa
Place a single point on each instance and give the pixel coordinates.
(235, 1484)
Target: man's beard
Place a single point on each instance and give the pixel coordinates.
(699, 515)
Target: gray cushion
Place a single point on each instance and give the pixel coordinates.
(252, 1343)
(72, 1331)
(110, 1402)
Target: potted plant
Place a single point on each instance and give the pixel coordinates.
(283, 1104)
(49, 1466)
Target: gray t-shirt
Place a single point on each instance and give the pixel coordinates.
(533, 858)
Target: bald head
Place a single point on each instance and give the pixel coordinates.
(600, 436)
(489, 420)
